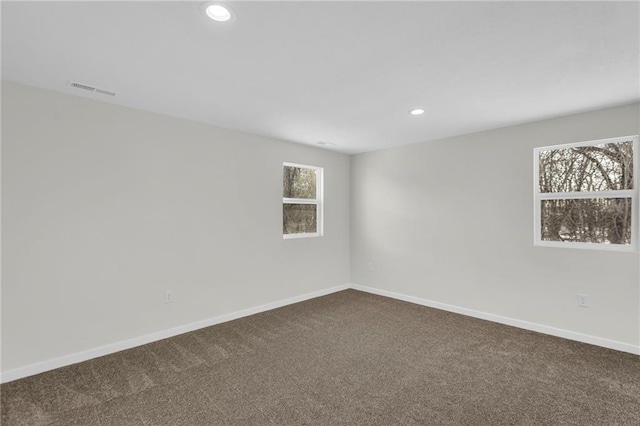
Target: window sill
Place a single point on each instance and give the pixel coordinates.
(587, 246)
(297, 236)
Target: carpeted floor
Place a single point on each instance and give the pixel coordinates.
(349, 358)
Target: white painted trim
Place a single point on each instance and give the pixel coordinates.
(621, 193)
(295, 236)
(75, 358)
(585, 246)
(544, 329)
(587, 143)
(65, 360)
(301, 166)
(300, 200)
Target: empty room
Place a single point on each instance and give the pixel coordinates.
(320, 213)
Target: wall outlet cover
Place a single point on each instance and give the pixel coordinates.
(583, 300)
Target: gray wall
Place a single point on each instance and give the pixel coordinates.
(451, 221)
(105, 207)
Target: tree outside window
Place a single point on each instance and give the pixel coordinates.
(301, 201)
(586, 194)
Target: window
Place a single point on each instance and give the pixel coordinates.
(301, 201)
(585, 194)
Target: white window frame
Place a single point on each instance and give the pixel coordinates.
(318, 201)
(627, 193)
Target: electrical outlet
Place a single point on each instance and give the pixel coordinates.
(583, 300)
(370, 266)
(168, 296)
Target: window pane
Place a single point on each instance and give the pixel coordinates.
(299, 182)
(599, 220)
(604, 167)
(300, 218)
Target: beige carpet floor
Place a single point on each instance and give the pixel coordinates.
(349, 358)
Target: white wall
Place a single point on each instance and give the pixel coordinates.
(105, 207)
(451, 221)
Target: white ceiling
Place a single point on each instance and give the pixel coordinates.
(341, 72)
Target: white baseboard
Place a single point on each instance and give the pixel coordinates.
(74, 358)
(558, 332)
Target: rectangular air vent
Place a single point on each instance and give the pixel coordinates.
(83, 87)
(88, 88)
(105, 92)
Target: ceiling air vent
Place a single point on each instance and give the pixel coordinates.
(82, 86)
(88, 88)
(105, 92)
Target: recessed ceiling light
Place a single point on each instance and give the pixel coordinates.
(219, 12)
(416, 111)
(325, 143)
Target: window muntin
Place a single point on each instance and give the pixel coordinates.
(301, 201)
(585, 195)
